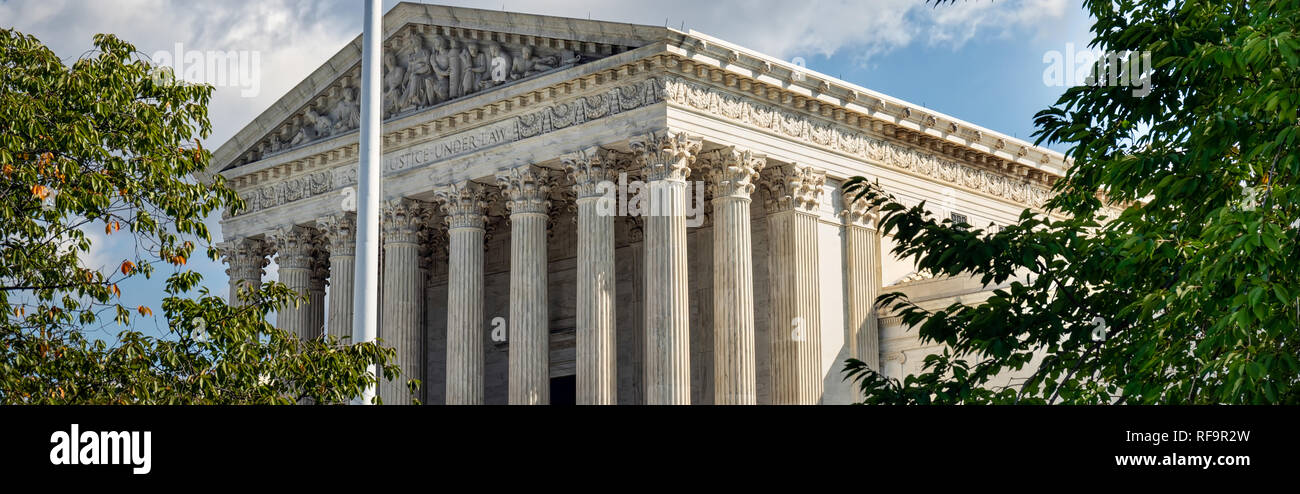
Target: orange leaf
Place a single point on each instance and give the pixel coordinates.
(117, 226)
(144, 311)
(40, 191)
(108, 229)
(127, 267)
(116, 292)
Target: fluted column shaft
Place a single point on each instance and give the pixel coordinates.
(340, 238)
(463, 204)
(864, 281)
(402, 301)
(316, 297)
(295, 254)
(246, 260)
(794, 194)
(731, 176)
(666, 161)
(592, 175)
(526, 190)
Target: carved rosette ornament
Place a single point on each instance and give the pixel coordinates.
(464, 205)
(793, 187)
(666, 155)
(526, 190)
(732, 172)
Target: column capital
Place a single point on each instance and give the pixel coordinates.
(732, 172)
(339, 233)
(402, 220)
(464, 204)
(793, 187)
(666, 155)
(245, 257)
(526, 189)
(590, 167)
(320, 273)
(859, 213)
(294, 246)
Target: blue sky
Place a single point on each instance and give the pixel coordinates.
(981, 61)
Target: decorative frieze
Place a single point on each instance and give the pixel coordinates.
(552, 118)
(843, 139)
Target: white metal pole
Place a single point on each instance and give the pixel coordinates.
(365, 308)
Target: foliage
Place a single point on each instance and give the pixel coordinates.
(1165, 268)
(110, 142)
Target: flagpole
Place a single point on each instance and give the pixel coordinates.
(365, 322)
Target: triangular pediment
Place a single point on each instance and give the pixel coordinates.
(432, 55)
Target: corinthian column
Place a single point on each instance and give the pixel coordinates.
(593, 174)
(794, 193)
(863, 276)
(526, 189)
(296, 254)
(247, 259)
(731, 174)
(339, 233)
(665, 161)
(465, 208)
(403, 294)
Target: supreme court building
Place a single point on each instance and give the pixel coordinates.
(607, 213)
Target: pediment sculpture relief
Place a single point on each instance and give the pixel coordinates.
(421, 68)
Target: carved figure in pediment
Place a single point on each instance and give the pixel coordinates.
(469, 74)
(347, 114)
(438, 86)
(299, 137)
(527, 64)
(475, 67)
(455, 68)
(501, 63)
(321, 125)
(418, 73)
(394, 77)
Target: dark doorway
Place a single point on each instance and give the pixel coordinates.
(564, 390)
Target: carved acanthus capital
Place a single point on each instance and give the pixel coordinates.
(402, 220)
(526, 189)
(589, 168)
(793, 187)
(732, 173)
(320, 271)
(295, 246)
(666, 156)
(339, 233)
(859, 212)
(246, 258)
(464, 204)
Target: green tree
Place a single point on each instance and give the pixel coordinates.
(1173, 277)
(110, 142)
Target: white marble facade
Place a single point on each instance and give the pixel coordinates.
(746, 279)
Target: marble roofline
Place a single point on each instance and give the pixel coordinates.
(319, 168)
(706, 57)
